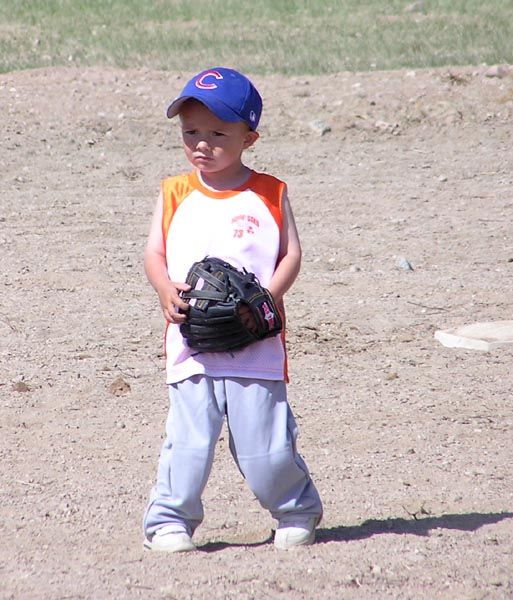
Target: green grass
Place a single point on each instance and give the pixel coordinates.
(259, 36)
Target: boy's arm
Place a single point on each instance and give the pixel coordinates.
(156, 270)
(289, 257)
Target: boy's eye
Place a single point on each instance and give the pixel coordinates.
(218, 133)
(190, 131)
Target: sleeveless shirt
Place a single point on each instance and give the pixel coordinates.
(240, 226)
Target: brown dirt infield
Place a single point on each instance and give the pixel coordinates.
(410, 443)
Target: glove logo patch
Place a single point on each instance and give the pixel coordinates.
(268, 315)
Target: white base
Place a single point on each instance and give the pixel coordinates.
(478, 336)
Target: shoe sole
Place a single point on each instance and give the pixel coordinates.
(291, 544)
(184, 548)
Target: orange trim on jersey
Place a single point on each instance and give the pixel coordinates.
(174, 190)
(220, 194)
(281, 309)
(270, 190)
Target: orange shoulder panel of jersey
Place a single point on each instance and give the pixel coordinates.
(270, 190)
(174, 190)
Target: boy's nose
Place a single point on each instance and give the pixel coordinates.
(202, 144)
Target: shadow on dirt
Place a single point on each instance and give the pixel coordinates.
(420, 526)
(215, 546)
(465, 522)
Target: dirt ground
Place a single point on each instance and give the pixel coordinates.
(410, 443)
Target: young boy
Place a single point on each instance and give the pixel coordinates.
(224, 209)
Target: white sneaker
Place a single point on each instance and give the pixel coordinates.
(171, 538)
(295, 533)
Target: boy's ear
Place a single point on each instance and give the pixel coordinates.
(250, 138)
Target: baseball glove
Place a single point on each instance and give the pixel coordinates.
(219, 294)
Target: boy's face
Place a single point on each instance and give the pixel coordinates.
(212, 145)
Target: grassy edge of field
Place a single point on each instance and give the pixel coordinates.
(262, 37)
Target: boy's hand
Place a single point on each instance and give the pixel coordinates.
(171, 302)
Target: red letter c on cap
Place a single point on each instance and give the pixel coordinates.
(200, 83)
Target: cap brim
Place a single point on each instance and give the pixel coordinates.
(174, 108)
(221, 111)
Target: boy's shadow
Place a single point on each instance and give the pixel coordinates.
(414, 526)
(398, 526)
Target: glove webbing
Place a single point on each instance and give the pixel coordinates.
(214, 289)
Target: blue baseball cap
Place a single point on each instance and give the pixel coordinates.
(227, 93)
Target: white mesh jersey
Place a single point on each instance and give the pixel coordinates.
(240, 226)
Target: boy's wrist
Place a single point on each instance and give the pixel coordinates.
(161, 283)
(276, 294)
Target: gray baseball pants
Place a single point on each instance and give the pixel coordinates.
(262, 440)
